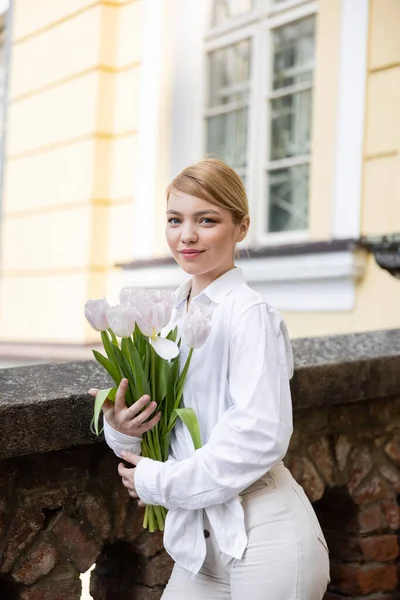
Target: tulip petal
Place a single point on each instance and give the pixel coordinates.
(95, 313)
(145, 327)
(164, 348)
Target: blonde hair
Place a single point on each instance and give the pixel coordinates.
(213, 181)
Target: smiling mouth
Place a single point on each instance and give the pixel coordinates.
(191, 253)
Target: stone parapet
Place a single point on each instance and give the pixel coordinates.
(63, 508)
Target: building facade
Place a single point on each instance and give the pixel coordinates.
(106, 101)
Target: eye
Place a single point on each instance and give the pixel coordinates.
(207, 221)
(174, 221)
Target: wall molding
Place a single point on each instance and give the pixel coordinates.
(346, 218)
(318, 282)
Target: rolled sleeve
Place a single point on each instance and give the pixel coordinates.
(119, 442)
(252, 435)
(146, 480)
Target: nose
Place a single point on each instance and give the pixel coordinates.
(189, 234)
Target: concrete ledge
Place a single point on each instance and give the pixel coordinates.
(346, 368)
(46, 407)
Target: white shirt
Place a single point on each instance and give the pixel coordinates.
(238, 384)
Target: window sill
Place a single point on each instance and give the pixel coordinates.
(308, 277)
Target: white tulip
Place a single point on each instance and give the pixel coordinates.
(197, 325)
(164, 348)
(122, 319)
(153, 312)
(153, 307)
(95, 313)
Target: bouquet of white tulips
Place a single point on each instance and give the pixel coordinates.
(150, 363)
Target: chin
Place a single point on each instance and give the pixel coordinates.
(191, 269)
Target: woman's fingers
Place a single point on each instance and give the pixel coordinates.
(108, 405)
(138, 406)
(93, 392)
(144, 414)
(127, 483)
(138, 414)
(120, 403)
(147, 426)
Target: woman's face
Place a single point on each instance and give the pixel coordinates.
(202, 237)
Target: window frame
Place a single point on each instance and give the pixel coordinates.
(258, 26)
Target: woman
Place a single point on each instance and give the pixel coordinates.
(238, 525)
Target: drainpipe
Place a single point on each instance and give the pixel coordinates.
(386, 251)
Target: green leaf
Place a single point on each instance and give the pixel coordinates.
(132, 392)
(127, 349)
(181, 380)
(171, 376)
(139, 340)
(172, 334)
(189, 418)
(101, 397)
(108, 346)
(161, 383)
(165, 445)
(147, 360)
(108, 366)
(113, 337)
(142, 382)
(112, 394)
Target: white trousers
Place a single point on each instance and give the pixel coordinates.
(286, 556)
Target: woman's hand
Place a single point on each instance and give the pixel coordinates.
(128, 475)
(130, 421)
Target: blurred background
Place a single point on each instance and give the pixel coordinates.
(104, 102)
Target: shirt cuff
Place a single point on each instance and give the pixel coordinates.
(147, 475)
(120, 442)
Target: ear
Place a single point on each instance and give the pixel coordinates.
(243, 229)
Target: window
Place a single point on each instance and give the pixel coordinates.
(224, 10)
(227, 114)
(290, 123)
(261, 59)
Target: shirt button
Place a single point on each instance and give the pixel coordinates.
(206, 533)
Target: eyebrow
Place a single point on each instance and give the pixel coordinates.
(199, 213)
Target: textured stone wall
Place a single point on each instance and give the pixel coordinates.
(348, 460)
(61, 512)
(63, 508)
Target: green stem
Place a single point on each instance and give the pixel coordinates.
(152, 521)
(150, 445)
(182, 378)
(159, 517)
(145, 448)
(156, 439)
(153, 374)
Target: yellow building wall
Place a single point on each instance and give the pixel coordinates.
(70, 156)
(378, 294)
(325, 102)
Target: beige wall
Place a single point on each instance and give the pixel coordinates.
(72, 150)
(69, 176)
(325, 104)
(378, 294)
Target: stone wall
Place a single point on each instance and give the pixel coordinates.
(62, 507)
(348, 461)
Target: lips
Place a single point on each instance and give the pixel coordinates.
(190, 254)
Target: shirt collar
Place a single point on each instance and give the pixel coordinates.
(216, 291)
